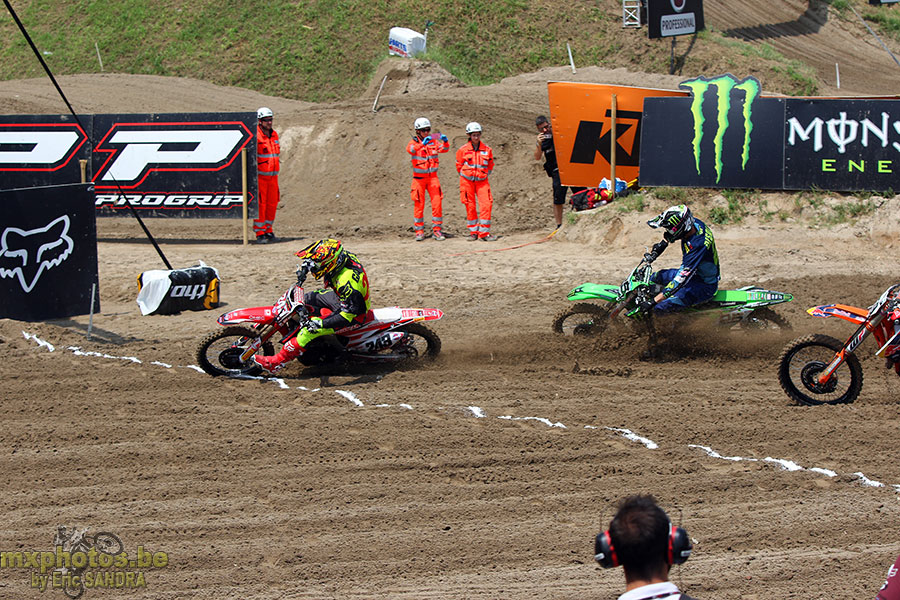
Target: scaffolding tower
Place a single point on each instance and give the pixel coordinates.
(631, 13)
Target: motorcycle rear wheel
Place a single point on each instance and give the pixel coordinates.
(419, 345)
(582, 319)
(803, 359)
(765, 319)
(219, 352)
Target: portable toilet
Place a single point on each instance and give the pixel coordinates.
(405, 42)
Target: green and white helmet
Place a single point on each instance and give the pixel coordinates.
(675, 221)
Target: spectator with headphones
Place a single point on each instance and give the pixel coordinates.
(642, 539)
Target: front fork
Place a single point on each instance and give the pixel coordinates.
(852, 343)
(266, 332)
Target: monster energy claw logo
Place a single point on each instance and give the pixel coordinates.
(724, 85)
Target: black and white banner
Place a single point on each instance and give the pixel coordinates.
(48, 252)
(161, 164)
(728, 136)
(667, 18)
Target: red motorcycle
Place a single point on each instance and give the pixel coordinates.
(390, 335)
(819, 369)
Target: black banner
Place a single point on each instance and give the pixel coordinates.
(173, 164)
(165, 165)
(48, 252)
(667, 18)
(38, 150)
(842, 144)
(724, 136)
(727, 136)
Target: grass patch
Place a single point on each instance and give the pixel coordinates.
(736, 209)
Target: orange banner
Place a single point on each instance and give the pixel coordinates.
(582, 120)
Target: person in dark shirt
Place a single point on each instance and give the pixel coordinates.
(546, 149)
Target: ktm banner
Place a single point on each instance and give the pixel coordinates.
(48, 252)
(729, 136)
(168, 165)
(581, 114)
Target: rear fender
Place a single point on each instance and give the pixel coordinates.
(594, 291)
(750, 297)
(841, 311)
(257, 314)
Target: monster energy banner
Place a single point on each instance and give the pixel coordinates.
(724, 135)
(842, 144)
(727, 136)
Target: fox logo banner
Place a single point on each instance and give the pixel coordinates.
(581, 114)
(726, 135)
(48, 252)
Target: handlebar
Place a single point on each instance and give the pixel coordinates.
(302, 272)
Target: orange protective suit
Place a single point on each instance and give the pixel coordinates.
(474, 165)
(267, 151)
(424, 156)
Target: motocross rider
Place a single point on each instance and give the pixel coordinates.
(347, 299)
(697, 279)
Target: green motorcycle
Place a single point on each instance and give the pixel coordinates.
(599, 305)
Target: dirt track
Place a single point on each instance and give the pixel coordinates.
(485, 475)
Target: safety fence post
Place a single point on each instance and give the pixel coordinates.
(244, 189)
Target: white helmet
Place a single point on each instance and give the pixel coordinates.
(422, 123)
(264, 112)
(473, 127)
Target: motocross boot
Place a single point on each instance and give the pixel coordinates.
(274, 364)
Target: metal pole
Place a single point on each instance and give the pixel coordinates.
(612, 148)
(571, 62)
(91, 317)
(374, 104)
(100, 60)
(244, 189)
(837, 75)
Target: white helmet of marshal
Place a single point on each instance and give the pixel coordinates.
(264, 112)
(422, 123)
(473, 127)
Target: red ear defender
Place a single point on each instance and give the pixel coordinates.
(604, 552)
(679, 546)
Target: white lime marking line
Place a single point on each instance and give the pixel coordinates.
(479, 413)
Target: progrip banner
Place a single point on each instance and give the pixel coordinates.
(724, 136)
(581, 115)
(38, 150)
(48, 252)
(164, 165)
(172, 165)
(727, 136)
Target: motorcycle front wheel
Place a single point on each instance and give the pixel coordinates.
(803, 360)
(582, 319)
(220, 352)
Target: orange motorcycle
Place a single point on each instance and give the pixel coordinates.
(819, 369)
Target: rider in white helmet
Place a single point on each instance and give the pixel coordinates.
(697, 279)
